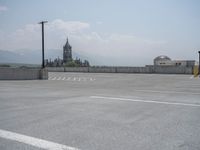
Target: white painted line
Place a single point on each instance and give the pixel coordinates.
(191, 77)
(145, 101)
(59, 78)
(79, 79)
(170, 92)
(50, 78)
(92, 79)
(63, 78)
(42, 144)
(68, 78)
(54, 78)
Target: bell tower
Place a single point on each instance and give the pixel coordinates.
(67, 52)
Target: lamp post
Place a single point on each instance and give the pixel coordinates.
(199, 63)
(42, 23)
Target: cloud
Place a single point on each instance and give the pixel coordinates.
(107, 49)
(99, 22)
(68, 27)
(3, 8)
(29, 37)
(117, 49)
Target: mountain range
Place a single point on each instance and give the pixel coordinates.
(35, 56)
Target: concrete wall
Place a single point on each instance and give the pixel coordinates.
(102, 69)
(76, 69)
(173, 70)
(23, 74)
(56, 69)
(147, 69)
(133, 70)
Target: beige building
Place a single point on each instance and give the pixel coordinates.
(166, 61)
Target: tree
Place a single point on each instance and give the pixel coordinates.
(72, 64)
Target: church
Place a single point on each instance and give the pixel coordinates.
(67, 59)
(67, 53)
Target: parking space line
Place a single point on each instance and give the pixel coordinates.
(192, 77)
(39, 143)
(65, 78)
(91, 79)
(68, 78)
(146, 101)
(54, 78)
(58, 78)
(170, 92)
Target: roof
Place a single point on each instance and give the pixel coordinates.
(67, 44)
(162, 57)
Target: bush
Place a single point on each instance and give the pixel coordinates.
(4, 65)
(72, 64)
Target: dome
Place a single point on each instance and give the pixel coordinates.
(162, 57)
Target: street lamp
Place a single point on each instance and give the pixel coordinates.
(199, 63)
(42, 23)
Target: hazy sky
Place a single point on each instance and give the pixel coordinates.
(115, 32)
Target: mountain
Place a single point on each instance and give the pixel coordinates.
(26, 56)
(35, 56)
(19, 57)
(7, 56)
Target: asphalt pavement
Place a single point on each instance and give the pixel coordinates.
(99, 111)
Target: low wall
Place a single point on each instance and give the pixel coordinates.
(133, 70)
(146, 69)
(102, 69)
(23, 74)
(56, 69)
(76, 69)
(173, 70)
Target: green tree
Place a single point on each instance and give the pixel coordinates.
(72, 64)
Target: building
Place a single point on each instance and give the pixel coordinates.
(67, 52)
(162, 61)
(166, 61)
(67, 59)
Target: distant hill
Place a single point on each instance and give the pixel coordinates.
(7, 56)
(35, 56)
(19, 57)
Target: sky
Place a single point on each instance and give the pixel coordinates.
(112, 32)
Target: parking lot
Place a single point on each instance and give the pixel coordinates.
(99, 111)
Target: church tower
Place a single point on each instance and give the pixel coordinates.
(67, 52)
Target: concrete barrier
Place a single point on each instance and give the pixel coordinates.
(146, 69)
(173, 70)
(23, 74)
(102, 69)
(56, 69)
(133, 70)
(76, 69)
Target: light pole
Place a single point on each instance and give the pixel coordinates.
(42, 23)
(199, 63)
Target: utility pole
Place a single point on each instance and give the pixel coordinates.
(42, 23)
